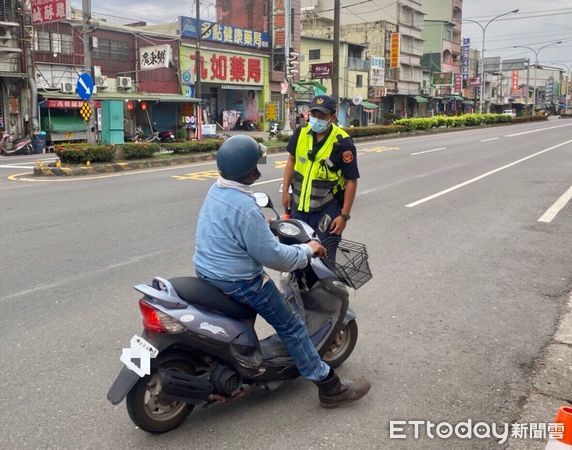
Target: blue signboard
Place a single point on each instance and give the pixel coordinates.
(84, 87)
(225, 34)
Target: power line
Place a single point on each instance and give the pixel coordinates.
(524, 13)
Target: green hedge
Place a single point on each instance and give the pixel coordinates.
(374, 130)
(207, 145)
(468, 120)
(82, 153)
(140, 149)
(529, 119)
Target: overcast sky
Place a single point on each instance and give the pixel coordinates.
(537, 23)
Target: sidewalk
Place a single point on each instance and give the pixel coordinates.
(551, 382)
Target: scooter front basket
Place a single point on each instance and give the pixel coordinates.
(351, 264)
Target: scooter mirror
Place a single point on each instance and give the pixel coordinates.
(262, 200)
(324, 224)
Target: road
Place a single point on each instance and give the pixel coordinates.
(467, 290)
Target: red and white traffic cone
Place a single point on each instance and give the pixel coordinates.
(561, 441)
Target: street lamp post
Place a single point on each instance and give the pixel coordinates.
(484, 28)
(536, 53)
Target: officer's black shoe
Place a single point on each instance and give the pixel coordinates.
(334, 392)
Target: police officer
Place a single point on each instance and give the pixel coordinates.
(322, 171)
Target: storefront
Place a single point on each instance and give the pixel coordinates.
(234, 86)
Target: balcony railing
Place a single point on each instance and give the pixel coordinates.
(357, 63)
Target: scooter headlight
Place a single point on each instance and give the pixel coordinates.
(288, 229)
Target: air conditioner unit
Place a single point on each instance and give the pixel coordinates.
(101, 81)
(425, 91)
(124, 82)
(67, 88)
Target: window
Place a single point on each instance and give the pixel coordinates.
(448, 35)
(359, 80)
(111, 50)
(42, 41)
(314, 54)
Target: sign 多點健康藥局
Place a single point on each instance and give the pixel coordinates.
(224, 34)
(84, 86)
(155, 57)
(47, 11)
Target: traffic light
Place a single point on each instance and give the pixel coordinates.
(291, 63)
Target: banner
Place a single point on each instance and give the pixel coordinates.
(458, 83)
(225, 34)
(46, 11)
(271, 111)
(278, 24)
(155, 57)
(321, 70)
(465, 58)
(514, 81)
(394, 55)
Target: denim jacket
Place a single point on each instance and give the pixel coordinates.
(234, 241)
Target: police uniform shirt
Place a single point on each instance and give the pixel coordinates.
(346, 157)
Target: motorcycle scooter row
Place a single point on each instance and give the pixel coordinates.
(199, 347)
(22, 146)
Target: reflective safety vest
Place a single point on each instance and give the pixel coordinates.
(316, 180)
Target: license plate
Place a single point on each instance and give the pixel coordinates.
(138, 357)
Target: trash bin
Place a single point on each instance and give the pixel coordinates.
(39, 142)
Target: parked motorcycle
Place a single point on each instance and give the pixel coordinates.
(199, 346)
(167, 136)
(140, 136)
(22, 146)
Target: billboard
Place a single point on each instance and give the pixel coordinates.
(492, 64)
(442, 79)
(465, 58)
(225, 34)
(278, 24)
(514, 64)
(221, 67)
(321, 70)
(377, 71)
(155, 57)
(46, 11)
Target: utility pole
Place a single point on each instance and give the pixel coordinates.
(336, 56)
(288, 76)
(198, 67)
(86, 16)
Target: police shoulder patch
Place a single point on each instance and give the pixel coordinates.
(347, 156)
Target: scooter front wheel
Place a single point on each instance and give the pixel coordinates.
(342, 346)
(150, 410)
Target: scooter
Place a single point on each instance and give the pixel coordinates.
(167, 136)
(273, 132)
(21, 146)
(200, 347)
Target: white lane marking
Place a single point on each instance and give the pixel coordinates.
(16, 167)
(551, 212)
(269, 181)
(491, 139)
(480, 177)
(536, 131)
(429, 151)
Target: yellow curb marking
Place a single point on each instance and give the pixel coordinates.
(379, 149)
(201, 176)
(280, 164)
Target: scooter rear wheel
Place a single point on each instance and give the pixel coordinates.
(147, 407)
(343, 345)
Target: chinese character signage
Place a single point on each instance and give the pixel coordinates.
(474, 82)
(458, 83)
(46, 11)
(321, 70)
(278, 24)
(220, 67)
(154, 57)
(69, 104)
(465, 58)
(394, 55)
(514, 82)
(549, 90)
(442, 79)
(226, 34)
(377, 71)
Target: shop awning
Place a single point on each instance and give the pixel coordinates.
(455, 97)
(368, 105)
(420, 99)
(125, 96)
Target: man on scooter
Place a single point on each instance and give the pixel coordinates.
(234, 243)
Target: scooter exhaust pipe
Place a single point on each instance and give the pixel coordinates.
(184, 387)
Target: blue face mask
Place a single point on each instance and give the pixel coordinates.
(318, 125)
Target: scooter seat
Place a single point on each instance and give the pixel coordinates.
(201, 293)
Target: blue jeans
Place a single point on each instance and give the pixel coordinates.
(261, 294)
